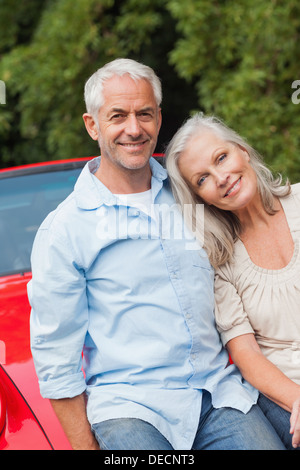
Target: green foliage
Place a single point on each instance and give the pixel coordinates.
(237, 60)
(244, 58)
(45, 71)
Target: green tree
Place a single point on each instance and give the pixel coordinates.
(237, 60)
(52, 48)
(244, 57)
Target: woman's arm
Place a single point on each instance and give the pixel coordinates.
(267, 378)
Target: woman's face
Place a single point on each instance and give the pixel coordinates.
(219, 172)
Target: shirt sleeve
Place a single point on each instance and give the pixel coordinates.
(231, 318)
(59, 317)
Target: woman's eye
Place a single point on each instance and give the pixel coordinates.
(201, 181)
(222, 157)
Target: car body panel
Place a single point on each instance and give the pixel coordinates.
(27, 421)
(25, 429)
(20, 427)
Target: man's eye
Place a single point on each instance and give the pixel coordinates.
(145, 116)
(117, 116)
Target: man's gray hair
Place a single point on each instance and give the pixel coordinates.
(93, 92)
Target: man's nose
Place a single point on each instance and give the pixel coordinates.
(133, 127)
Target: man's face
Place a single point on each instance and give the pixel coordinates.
(128, 122)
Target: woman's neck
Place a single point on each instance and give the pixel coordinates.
(254, 214)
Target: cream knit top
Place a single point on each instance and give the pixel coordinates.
(250, 299)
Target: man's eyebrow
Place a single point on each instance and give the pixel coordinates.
(147, 109)
(122, 111)
(116, 111)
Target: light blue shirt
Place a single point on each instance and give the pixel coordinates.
(136, 297)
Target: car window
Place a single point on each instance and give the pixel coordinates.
(25, 201)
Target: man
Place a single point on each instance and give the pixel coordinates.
(113, 278)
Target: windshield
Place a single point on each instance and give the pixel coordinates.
(24, 203)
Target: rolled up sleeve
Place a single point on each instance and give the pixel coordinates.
(59, 317)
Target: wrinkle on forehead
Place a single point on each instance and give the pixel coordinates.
(126, 88)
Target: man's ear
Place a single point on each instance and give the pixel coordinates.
(91, 126)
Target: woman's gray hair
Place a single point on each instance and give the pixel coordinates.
(93, 91)
(221, 228)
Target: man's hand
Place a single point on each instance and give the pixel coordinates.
(71, 413)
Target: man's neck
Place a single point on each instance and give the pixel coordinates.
(121, 180)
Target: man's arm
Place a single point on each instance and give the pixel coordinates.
(58, 326)
(71, 413)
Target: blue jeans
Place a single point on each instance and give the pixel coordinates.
(279, 418)
(219, 429)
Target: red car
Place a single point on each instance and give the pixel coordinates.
(27, 195)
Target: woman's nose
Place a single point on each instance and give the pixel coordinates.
(221, 178)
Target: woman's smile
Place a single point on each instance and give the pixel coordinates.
(234, 188)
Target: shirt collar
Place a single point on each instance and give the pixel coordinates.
(90, 193)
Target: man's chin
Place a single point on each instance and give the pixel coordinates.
(136, 163)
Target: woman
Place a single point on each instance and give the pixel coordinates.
(252, 237)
